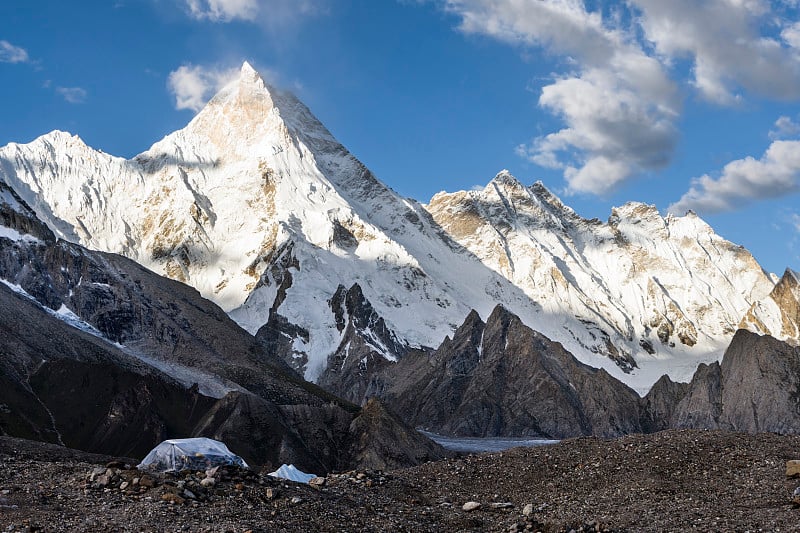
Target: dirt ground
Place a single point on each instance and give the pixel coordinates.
(670, 481)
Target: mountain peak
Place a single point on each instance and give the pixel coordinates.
(541, 191)
(238, 118)
(251, 81)
(247, 90)
(505, 178)
(248, 70)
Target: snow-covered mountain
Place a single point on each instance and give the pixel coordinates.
(778, 315)
(655, 292)
(258, 206)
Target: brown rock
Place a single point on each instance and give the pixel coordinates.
(172, 498)
(317, 481)
(490, 367)
(793, 468)
(751, 390)
(147, 481)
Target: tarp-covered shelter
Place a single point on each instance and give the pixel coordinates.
(198, 453)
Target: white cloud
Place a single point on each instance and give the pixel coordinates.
(564, 25)
(194, 85)
(223, 10)
(73, 95)
(733, 44)
(619, 107)
(796, 221)
(617, 97)
(612, 132)
(784, 127)
(268, 12)
(12, 54)
(745, 181)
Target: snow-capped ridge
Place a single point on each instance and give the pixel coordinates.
(642, 290)
(504, 179)
(635, 210)
(778, 314)
(255, 172)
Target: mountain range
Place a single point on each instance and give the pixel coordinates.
(250, 253)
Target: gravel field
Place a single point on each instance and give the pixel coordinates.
(669, 481)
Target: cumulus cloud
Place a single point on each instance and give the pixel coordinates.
(733, 44)
(619, 106)
(73, 95)
(12, 54)
(269, 12)
(618, 94)
(612, 132)
(784, 127)
(745, 181)
(223, 10)
(194, 85)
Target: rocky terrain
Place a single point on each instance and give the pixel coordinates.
(101, 354)
(755, 388)
(778, 314)
(502, 378)
(669, 481)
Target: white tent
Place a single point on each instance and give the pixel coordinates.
(292, 473)
(189, 454)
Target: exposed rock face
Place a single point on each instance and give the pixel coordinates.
(502, 378)
(385, 442)
(102, 354)
(754, 389)
(778, 315)
(367, 345)
(659, 404)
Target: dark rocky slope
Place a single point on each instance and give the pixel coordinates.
(123, 379)
(756, 388)
(502, 378)
(365, 340)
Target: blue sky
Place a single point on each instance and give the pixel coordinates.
(684, 104)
